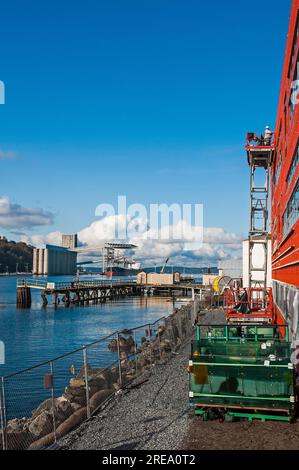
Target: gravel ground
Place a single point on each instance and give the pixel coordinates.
(153, 415)
(156, 416)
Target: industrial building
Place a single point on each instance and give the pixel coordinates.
(70, 241)
(54, 261)
(285, 185)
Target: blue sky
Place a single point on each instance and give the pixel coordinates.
(150, 98)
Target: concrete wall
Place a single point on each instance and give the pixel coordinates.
(41, 261)
(35, 261)
(53, 262)
(70, 241)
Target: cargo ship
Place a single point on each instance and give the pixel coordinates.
(123, 271)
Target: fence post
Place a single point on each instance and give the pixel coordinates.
(135, 352)
(179, 324)
(3, 414)
(86, 381)
(150, 343)
(53, 401)
(173, 335)
(119, 363)
(159, 342)
(195, 306)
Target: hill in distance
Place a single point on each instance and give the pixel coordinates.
(15, 255)
(182, 269)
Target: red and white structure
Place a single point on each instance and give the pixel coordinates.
(285, 186)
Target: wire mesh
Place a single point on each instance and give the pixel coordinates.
(41, 404)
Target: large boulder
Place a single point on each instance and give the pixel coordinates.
(43, 442)
(76, 395)
(41, 425)
(17, 434)
(130, 343)
(114, 371)
(70, 423)
(99, 397)
(122, 343)
(17, 424)
(90, 371)
(165, 345)
(62, 409)
(98, 379)
(113, 345)
(98, 383)
(142, 360)
(75, 382)
(18, 440)
(106, 375)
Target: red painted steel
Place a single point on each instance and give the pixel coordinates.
(261, 305)
(286, 242)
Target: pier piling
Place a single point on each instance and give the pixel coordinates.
(23, 297)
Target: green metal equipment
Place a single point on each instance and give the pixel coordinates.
(242, 372)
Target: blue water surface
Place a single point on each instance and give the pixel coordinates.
(40, 333)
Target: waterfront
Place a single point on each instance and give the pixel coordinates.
(38, 334)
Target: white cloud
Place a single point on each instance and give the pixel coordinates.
(217, 243)
(153, 246)
(16, 216)
(39, 241)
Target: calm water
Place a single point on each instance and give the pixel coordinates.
(38, 334)
(42, 333)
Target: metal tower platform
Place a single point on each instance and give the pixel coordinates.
(259, 157)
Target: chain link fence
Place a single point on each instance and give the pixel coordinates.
(41, 404)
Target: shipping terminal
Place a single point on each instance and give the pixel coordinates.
(243, 367)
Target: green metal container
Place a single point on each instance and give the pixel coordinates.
(243, 371)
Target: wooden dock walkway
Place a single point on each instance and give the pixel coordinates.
(73, 292)
(95, 291)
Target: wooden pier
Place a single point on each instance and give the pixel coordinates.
(92, 291)
(76, 292)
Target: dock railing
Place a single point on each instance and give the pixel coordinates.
(42, 283)
(41, 404)
(76, 284)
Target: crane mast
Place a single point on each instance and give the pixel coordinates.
(259, 158)
(253, 302)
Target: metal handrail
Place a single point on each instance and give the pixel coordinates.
(71, 284)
